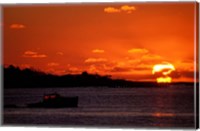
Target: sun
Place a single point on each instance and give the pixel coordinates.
(166, 79)
(162, 72)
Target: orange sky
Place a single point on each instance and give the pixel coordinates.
(123, 40)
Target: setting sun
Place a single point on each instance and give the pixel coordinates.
(164, 79)
(162, 71)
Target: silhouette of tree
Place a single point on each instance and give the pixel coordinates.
(14, 77)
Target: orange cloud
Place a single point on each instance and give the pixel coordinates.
(111, 10)
(184, 65)
(151, 57)
(17, 26)
(127, 8)
(93, 69)
(138, 50)
(120, 69)
(98, 51)
(124, 8)
(73, 69)
(56, 71)
(23, 66)
(32, 54)
(53, 64)
(63, 69)
(95, 60)
(133, 61)
(143, 56)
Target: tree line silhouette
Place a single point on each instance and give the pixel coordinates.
(14, 77)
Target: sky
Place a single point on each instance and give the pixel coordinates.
(124, 40)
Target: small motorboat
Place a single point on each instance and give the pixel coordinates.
(55, 101)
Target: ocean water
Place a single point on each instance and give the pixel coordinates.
(170, 107)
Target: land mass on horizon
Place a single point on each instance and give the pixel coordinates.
(14, 77)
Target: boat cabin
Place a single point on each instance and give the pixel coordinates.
(51, 96)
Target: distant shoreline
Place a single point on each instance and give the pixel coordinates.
(15, 77)
(139, 85)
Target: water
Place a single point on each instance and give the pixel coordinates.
(106, 107)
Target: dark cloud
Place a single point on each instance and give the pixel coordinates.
(187, 74)
(141, 68)
(120, 69)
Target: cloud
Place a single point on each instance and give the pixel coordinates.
(133, 61)
(98, 51)
(183, 65)
(111, 10)
(125, 8)
(142, 55)
(93, 69)
(184, 73)
(129, 67)
(32, 54)
(95, 60)
(62, 69)
(138, 50)
(56, 71)
(53, 64)
(152, 56)
(74, 69)
(23, 66)
(120, 69)
(142, 67)
(17, 26)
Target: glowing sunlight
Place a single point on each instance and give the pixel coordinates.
(162, 71)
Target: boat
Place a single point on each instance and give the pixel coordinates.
(55, 101)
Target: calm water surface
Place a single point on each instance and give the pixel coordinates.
(171, 107)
